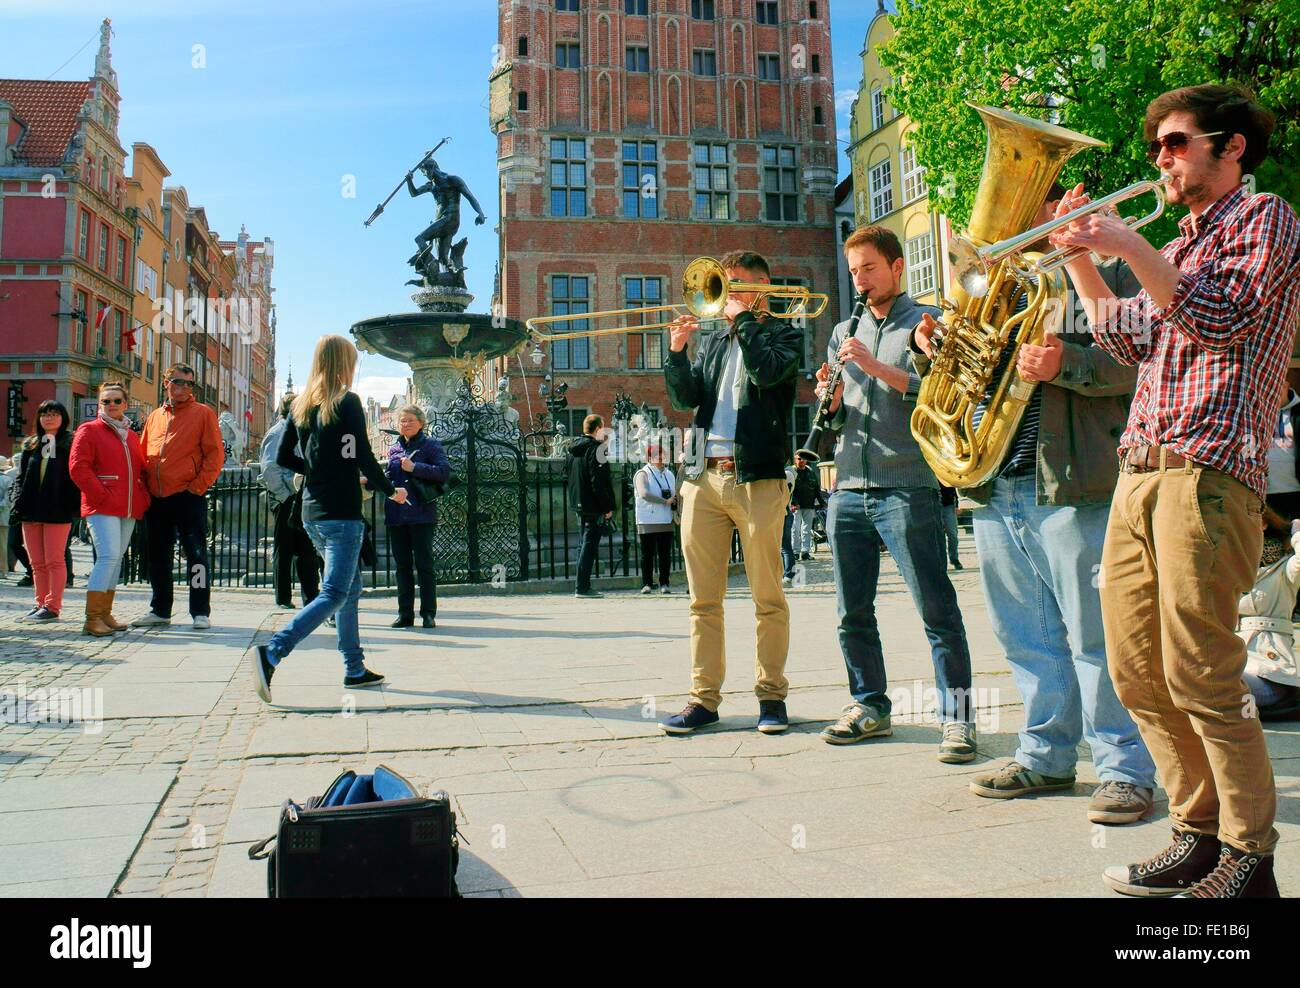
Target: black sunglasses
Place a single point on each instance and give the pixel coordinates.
(112, 401)
(181, 381)
(1175, 143)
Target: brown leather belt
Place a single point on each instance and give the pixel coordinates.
(1144, 459)
(723, 464)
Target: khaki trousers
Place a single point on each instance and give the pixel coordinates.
(711, 507)
(1182, 546)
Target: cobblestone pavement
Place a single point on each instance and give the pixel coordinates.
(538, 714)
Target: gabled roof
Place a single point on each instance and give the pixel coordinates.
(49, 109)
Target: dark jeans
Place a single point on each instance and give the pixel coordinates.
(414, 544)
(787, 547)
(591, 526)
(660, 545)
(182, 515)
(292, 549)
(909, 522)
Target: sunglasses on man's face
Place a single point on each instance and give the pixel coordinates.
(1176, 143)
(112, 401)
(180, 382)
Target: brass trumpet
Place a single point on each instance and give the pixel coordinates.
(705, 291)
(973, 266)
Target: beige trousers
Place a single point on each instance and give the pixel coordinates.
(1182, 546)
(712, 506)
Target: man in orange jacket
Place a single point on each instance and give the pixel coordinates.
(183, 455)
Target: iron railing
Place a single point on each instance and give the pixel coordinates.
(241, 527)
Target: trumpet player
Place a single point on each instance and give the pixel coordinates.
(1215, 324)
(885, 493)
(1039, 531)
(741, 387)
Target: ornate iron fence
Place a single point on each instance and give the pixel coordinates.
(504, 518)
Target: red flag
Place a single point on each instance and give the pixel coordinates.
(248, 414)
(128, 335)
(103, 314)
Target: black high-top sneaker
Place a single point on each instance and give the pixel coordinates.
(1238, 875)
(1190, 858)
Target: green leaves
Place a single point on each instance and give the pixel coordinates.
(1094, 63)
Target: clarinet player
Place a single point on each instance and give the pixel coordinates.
(885, 493)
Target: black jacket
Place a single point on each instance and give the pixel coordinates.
(807, 490)
(769, 350)
(591, 489)
(54, 500)
(333, 459)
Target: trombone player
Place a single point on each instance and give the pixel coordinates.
(741, 386)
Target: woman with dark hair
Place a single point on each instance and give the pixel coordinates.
(411, 525)
(48, 502)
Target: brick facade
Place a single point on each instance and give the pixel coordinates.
(663, 115)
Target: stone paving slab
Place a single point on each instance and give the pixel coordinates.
(538, 715)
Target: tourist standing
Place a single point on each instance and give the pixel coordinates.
(183, 454)
(656, 500)
(107, 464)
(291, 546)
(417, 461)
(47, 502)
(591, 495)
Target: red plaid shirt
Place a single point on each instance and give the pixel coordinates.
(1211, 363)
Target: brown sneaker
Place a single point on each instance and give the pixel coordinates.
(1013, 779)
(1119, 802)
(1238, 875)
(1190, 858)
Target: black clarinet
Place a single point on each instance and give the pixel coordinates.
(822, 420)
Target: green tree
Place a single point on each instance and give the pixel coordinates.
(1096, 64)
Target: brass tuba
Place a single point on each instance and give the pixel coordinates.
(1023, 158)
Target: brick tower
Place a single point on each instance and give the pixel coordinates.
(636, 135)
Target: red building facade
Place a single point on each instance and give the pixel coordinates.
(86, 250)
(65, 240)
(636, 135)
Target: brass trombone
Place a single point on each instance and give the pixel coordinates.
(705, 290)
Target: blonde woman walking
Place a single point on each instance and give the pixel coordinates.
(329, 423)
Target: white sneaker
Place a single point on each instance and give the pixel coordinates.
(149, 620)
(646, 590)
(201, 622)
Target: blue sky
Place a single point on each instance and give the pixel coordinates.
(295, 97)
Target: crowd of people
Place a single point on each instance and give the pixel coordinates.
(1129, 592)
(1135, 595)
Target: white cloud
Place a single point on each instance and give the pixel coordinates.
(844, 99)
(380, 388)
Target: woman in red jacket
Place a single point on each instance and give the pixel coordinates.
(107, 464)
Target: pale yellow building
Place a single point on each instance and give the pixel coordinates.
(889, 186)
(144, 190)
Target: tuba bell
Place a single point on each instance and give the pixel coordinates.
(982, 332)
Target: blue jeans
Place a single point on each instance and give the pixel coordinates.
(787, 550)
(952, 536)
(111, 536)
(339, 543)
(1039, 565)
(909, 523)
